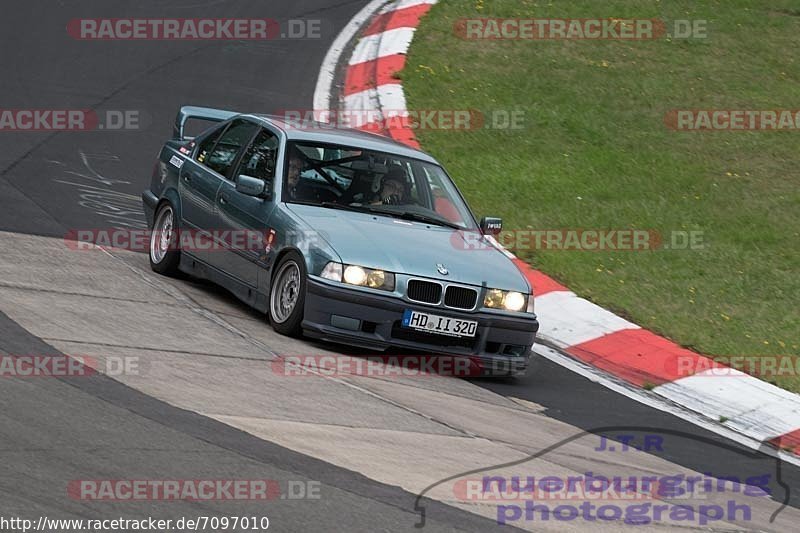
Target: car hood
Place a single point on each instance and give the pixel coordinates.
(412, 248)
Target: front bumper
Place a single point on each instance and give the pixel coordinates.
(501, 346)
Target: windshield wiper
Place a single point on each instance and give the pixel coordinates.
(332, 205)
(418, 217)
(405, 215)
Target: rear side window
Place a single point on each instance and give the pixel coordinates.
(208, 144)
(259, 158)
(221, 157)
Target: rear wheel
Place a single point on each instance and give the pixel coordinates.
(164, 253)
(287, 295)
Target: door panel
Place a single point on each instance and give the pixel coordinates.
(198, 186)
(247, 216)
(198, 189)
(202, 179)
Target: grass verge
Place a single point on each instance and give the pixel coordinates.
(595, 153)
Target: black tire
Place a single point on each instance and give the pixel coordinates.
(288, 283)
(164, 262)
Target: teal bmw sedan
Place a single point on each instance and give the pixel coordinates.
(339, 235)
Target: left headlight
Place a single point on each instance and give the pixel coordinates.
(508, 300)
(359, 276)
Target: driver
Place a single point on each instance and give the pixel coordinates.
(393, 188)
(295, 190)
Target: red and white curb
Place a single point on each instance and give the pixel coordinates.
(728, 402)
(370, 88)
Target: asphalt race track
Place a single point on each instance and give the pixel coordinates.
(54, 431)
(209, 403)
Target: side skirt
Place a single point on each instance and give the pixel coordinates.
(199, 269)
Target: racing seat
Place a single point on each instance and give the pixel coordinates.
(361, 188)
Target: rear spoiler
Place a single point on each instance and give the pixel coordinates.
(202, 113)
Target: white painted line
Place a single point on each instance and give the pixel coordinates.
(752, 406)
(361, 107)
(366, 49)
(322, 92)
(651, 400)
(382, 44)
(396, 41)
(391, 98)
(568, 320)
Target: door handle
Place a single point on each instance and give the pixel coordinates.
(223, 199)
(187, 176)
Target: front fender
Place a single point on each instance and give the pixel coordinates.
(293, 233)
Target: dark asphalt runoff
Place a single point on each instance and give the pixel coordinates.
(54, 431)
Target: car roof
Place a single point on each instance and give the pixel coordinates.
(326, 133)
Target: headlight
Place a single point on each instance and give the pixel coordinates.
(376, 279)
(514, 301)
(332, 271)
(355, 275)
(494, 299)
(360, 276)
(508, 300)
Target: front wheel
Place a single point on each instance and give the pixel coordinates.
(164, 252)
(287, 295)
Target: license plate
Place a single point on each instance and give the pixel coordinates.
(441, 325)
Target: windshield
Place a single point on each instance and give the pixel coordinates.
(352, 178)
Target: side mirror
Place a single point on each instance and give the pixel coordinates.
(252, 186)
(491, 225)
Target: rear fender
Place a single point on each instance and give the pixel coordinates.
(171, 195)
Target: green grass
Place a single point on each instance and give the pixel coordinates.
(595, 153)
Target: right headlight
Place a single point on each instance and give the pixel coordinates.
(507, 300)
